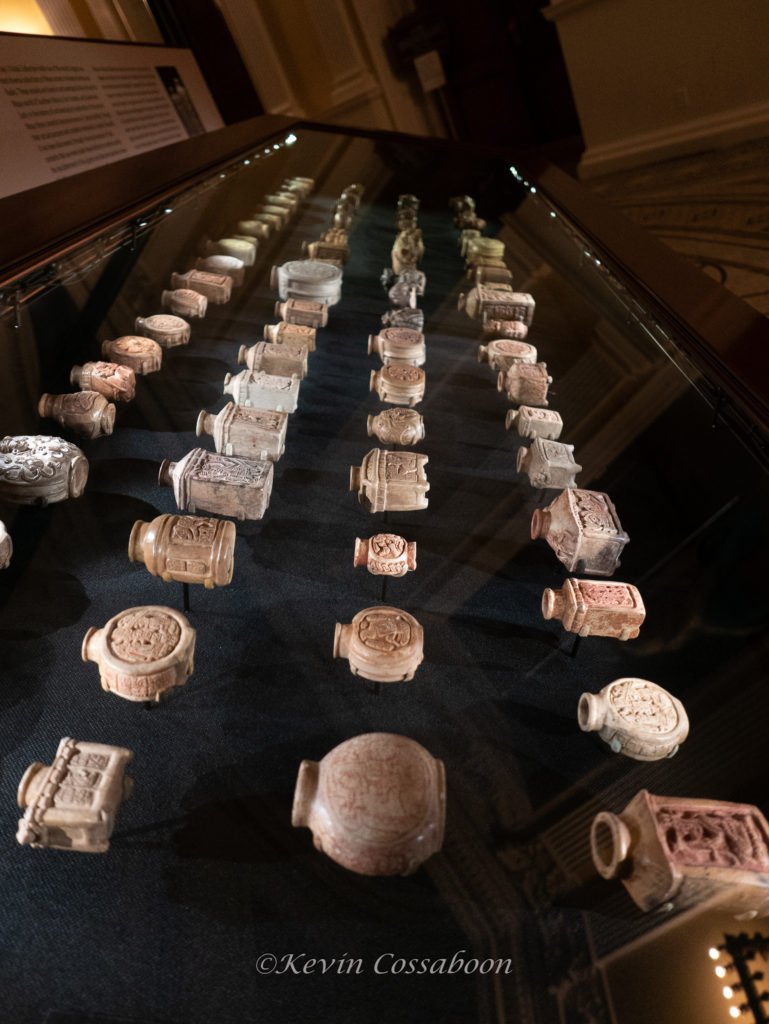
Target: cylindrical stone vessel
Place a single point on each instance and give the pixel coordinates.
(502, 353)
(531, 422)
(85, 412)
(382, 643)
(143, 355)
(184, 302)
(188, 549)
(164, 328)
(386, 554)
(398, 345)
(399, 384)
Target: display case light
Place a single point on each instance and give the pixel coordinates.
(291, 139)
(727, 991)
(532, 189)
(713, 953)
(276, 145)
(168, 209)
(553, 213)
(246, 162)
(720, 971)
(734, 1011)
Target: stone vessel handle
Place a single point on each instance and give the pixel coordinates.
(304, 793)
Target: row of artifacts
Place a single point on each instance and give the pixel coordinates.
(663, 848)
(669, 852)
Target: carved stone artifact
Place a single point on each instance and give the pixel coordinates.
(382, 644)
(386, 554)
(308, 279)
(491, 275)
(258, 227)
(185, 302)
(217, 288)
(413, 319)
(284, 199)
(396, 426)
(38, 470)
(407, 250)
(143, 355)
(402, 296)
(164, 328)
(282, 360)
(303, 311)
(240, 248)
(71, 804)
(85, 412)
(223, 484)
(142, 652)
(636, 718)
(677, 852)
(548, 464)
(504, 329)
(502, 353)
(466, 236)
(278, 214)
(290, 334)
(583, 529)
(482, 246)
(376, 804)
(114, 381)
(399, 384)
(188, 549)
(338, 252)
(261, 390)
(391, 481)
(234, 268)
(6, 547)
(408, 201)
(590, 608)
(415, 279)
(248, 433)
(525, 383)
(398, 345)
(482, 303)
(531, 422)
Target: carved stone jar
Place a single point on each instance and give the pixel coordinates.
(398, 345)
(116, 382)
(185, 302)
(240, 248)
(525, 383)
(142, 652)
(504, 329)
(308, 279)
(382, 643)
(548, 464)
(250, 433)
(677, 852)
(223, 484)
(164, 328)
(281, 360)
(636, 718)
(386, 554)
(399, 384)
(482, 303)
(143, 355)
(413, 319)
(336, 252)
(391, 481)
(303, 311)
(375, 804)
(502, 353)
(217, 288)
(397, 426)
(261, 390)
(583, 529)
(188, 549)
(86, 412)
(483, 246)
(234, 268)
(39, 470)
(71, 804)
(290, 334)
(6, 547)
(530, 422)
(491, 275)
(590, 608)
(258, 227)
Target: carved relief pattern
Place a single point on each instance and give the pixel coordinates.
(715, 838)
(263, 417)
(554, 452)
(30, 457)
(404, 374)
(223, 469)
(270, 382)
(384, 632)
(647, 707)
(376, 793)
(97, 761)
(165, 322)
(387, 545)
(304, 269)
(132, 344)
(82, 401)
(144, 637)
(593, 512)
(193, 531)
(605, 594)
(70, 796)
(401, 467)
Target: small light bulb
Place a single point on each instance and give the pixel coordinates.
(552, 213)
(727, 991)
(734, 1011)
(246, 162)
(720, 971)
(713, 953)
(532, 189)
(168, 210)
(291, 139)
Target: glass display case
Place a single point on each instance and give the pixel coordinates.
(208, 905)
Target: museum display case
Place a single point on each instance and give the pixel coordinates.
(208, 904)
